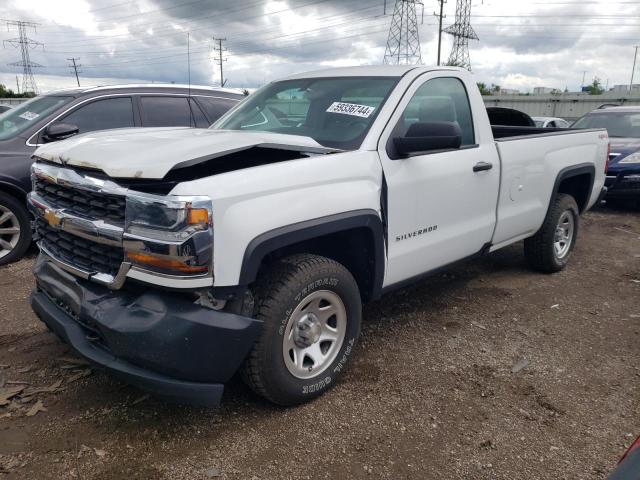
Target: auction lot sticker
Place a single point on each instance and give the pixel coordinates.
(29, 116)
(351, 109)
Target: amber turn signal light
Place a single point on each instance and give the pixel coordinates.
(163, 263)
(198, 216)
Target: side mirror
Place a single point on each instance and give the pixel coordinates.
(429, 136)
(59, 131)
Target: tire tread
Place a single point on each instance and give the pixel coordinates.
(270, 288)
(24, 218)
(538, 249)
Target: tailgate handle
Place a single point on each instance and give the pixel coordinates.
(481, 166)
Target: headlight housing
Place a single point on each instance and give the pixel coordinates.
(169, 235)
(633, 158)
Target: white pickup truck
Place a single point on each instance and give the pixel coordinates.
(175, 257)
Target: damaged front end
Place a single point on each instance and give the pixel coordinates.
(100, 231)
(95, 235)
(161, 342)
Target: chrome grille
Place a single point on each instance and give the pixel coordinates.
(83, 202)
(84, 254)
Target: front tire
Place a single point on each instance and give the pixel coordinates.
(311, 309)
(550, 248)
(15, 229)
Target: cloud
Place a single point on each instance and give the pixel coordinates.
(521, 44)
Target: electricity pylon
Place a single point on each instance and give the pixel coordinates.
(462, 32)
(403, 42)
(25, 44)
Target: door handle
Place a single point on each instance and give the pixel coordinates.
(481, 166)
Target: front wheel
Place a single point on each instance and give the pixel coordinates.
(311, 309)
(550, 248)
(15, 229)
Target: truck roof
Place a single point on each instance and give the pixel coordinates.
(368, 71)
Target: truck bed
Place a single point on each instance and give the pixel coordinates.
(531, 159)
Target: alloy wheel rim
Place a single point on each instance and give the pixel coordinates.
(564, 234)
(9, 231)
(314, 334)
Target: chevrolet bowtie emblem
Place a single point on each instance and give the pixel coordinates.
(53, 218)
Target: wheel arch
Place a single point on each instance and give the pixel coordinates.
(577, 181)
(13, 190)
(354, 239)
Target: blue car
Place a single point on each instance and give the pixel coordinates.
(623, 125)
(629, 466)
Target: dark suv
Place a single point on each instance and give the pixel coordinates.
(623, 125)
(61, 114)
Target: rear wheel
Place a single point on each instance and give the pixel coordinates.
(550, 248)
(15, 229)
(311, 310)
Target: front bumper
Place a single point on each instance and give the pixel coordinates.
(158, 341)
(623, 185)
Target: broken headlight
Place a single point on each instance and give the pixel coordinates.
(169, 235)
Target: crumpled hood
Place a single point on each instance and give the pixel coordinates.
(153, 152)
(624, 147)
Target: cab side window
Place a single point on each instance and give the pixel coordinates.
(440, 100)
(103, 114)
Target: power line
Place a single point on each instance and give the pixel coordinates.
(75, 67)
(144, 51)
(25, 44)
(535, 15)
(219, 59)
(172, 28)
(403, 41)
(151, 12)
(180, 54)
(207, 58)
(160, 59)
(110, 38)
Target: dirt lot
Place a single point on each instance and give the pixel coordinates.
(488, 371)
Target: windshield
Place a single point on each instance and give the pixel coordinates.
(18, 119)
(539, 123)
(618, 124)
(335, 112)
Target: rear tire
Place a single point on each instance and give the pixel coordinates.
(15, 229)
(550, 248)
(311, 309)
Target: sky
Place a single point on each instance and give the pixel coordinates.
(522, 44)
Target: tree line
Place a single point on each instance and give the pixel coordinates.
(8, 93)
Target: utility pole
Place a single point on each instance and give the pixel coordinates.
(17, 85)
(75, 68)
(584, 73)
(440, 17)
(25, 44)
(219, 51)
(403, 41)
(633, 70)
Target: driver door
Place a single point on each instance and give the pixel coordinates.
(440, 208)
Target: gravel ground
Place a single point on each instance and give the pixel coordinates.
(487, 371)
